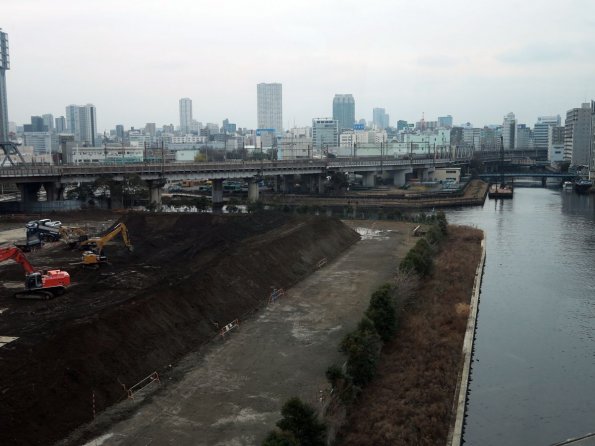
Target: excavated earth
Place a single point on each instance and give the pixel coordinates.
(188, 275)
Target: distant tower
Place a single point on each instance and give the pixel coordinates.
(4, 65)
(48, 120)
(344, 111)
(269, 104)
(81, 121)
(185, 115)
(380, 118)
(509, 132)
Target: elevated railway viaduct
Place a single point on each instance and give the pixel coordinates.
(54, 178)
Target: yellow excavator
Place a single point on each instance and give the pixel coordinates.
(93, 254)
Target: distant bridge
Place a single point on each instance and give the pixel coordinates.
(488, 176)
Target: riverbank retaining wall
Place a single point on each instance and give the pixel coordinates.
(455, 435)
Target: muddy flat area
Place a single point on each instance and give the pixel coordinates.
(232, 395)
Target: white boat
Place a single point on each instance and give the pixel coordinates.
(567, 185)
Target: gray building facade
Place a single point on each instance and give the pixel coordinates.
(578, 136)
(325, 133)
(344, 111)
(269, 105)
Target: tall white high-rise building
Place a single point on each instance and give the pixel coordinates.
(577, 136)
(325, 133)
(541, 130)
(509, 132)
(185, 115)
(269, 104)
(81, 121)
(4, 65)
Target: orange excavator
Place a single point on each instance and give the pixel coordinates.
(38, 284)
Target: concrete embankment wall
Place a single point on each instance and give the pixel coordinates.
(455, 435)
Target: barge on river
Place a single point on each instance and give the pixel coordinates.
(500, 191)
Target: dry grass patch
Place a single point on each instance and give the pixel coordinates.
(410, 400)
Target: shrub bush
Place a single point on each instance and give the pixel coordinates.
(418, 259)
(300, 420)
(334, 374)
(362, 347)
(442, 223)
(284, 438)
(382, 312)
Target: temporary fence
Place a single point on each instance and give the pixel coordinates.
(233, 324)
(143, 383)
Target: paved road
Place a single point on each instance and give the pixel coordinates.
(233, 394)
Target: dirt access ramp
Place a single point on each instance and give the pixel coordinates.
(233, 394)
(147, 309)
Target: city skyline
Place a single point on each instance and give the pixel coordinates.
(534, 62)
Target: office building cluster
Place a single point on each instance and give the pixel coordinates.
(74, 137)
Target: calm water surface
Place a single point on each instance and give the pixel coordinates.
(533, 376)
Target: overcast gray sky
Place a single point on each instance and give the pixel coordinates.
(476, 60)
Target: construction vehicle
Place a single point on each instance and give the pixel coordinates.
(93, 255)
(38, 284)
(44, 230)
(40, 231)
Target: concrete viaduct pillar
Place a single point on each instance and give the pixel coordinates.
(116, 195)
(400, 177)
(155, 190)
(54, 190)
(320, 183)
(369, 179)
(217, 194)
(285, 179)
(276, 183)
(253, 192)
(314, 183)
(29, 191)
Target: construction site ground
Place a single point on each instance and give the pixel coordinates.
(232, 395)
(189, 275)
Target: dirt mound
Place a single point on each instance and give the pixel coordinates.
(188, 274)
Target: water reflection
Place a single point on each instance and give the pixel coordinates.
(534, 365)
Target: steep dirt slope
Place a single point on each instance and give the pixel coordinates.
(187, 274)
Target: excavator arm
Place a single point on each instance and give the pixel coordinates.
(99, 242)
(12, 253)
(95, 256)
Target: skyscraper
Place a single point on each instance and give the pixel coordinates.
(577, 136)
(185, 115)
(48, 120)
(541, 130)
(4, 65)
(269, 104)
(509, 131)
(344, 111)
(81, 121)
(60, 124)
(445, 122)
(380, 118)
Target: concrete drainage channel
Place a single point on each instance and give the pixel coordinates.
(455, 434)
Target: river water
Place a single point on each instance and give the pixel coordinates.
(533, 371)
